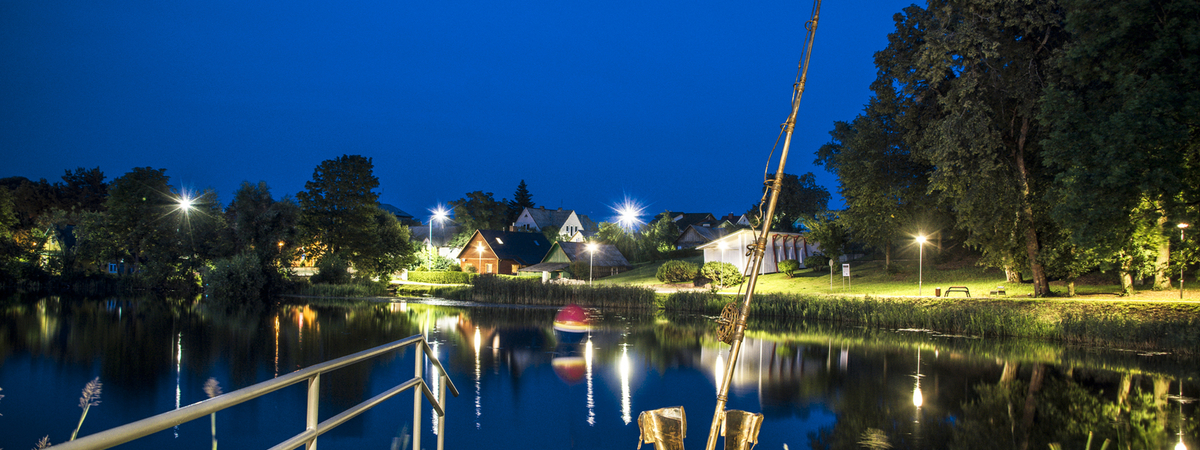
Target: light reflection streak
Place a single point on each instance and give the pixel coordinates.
(591, 403)
(435, 386)
(719, 372)
(478, 402)
(178, 371)
(625, 369)
(276, 346)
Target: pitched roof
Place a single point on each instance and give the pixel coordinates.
(588, 224)
(606, 255)
(395, 211)
(683, 220)
(549, 217)
(525, 248)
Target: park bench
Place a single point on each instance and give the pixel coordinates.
(963, 289)
(998, 291)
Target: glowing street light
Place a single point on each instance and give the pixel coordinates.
(591, 248)
(439, 215)
(920, 263)
(1182, 227)
(627, 214)
(185, 203)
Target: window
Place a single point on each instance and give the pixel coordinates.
(516, 268)
(489, 268)
(498, 241)
(112, 268)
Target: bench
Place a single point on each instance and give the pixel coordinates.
(962, 289)
(998, 291)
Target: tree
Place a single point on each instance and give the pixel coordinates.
(658, 237)
(390, 250)
(1122, 113)
(976, 67)
(83, 190)
(521, 199)
(141, 217)
(263, 225)
(799, 196)
(338, 208)
(883, 186)
(480, 211)
(829, 234)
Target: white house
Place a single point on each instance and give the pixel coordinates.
(781, 246)
(568, 222)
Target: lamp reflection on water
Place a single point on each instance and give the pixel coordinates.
(1181, 399)
(625, 367)
(591, 403)
(478, 341)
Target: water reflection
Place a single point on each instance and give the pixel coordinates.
(820, 388)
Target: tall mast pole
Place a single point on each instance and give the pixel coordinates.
(758, 249)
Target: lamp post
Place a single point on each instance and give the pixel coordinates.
(185, 205)
(920, 264)
(591, 248)
(1182, 263)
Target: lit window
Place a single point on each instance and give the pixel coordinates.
(489, 268)
(498, 241)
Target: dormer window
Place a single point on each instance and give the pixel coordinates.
(498, 241)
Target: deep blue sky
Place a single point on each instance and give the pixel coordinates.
(675, 104)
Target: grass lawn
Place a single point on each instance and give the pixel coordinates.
(869, 278)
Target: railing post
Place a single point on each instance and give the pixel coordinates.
(417, 373)
(311, 418)
(442, 407)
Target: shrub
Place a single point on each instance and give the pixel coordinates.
(676, 271)
(789, 267)
(332, 269)
(817, 261)
(722, 273)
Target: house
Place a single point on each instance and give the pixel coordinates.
(781, 246)
(441, 233)
(505, 252)
(738, 220)
(540, 218)
(694, 236)
(583, 236)
(605, 260)
(684, 220)
(403, 217)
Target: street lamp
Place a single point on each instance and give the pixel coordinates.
(591, 248)
(1182, 262)
(439, 214)
(920, 263)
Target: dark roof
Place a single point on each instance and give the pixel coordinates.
(588, 224)
(544, 267)
(606, 255)
(442, 233)
(525, 248)
(549, 217)
(683, 220)
(395, 211)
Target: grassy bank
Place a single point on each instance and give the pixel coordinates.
(1132, 325)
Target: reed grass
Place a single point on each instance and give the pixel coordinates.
(1137, 326)
(212, 388)
(89, 398)
(368, 289)
(518, 291)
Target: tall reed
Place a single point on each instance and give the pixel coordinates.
(90, 398)
(519, 291)
(1129, 326)
(212, 388)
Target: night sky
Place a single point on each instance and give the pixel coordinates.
(674, 104)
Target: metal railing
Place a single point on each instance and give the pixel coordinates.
(313, 428)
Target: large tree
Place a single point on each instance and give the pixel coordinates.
(799, 197)
(521, 199)
(479, 211)
(883, 186)
(1124, 120)
(263, 225)
(338, 206)
(977, 68)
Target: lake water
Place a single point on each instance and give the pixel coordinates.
(523, 386)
